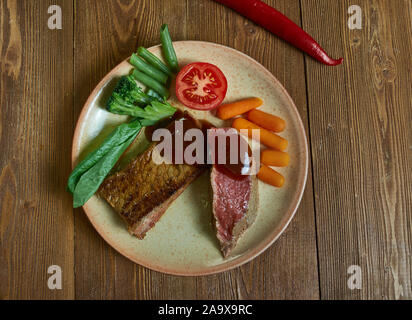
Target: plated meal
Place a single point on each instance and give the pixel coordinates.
(190, 158)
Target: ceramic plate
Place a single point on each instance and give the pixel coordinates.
(183, 241)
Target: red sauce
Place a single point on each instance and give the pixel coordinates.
(239, 166)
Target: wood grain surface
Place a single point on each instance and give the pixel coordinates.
(36, 129)
(361, 117)
(357, 206)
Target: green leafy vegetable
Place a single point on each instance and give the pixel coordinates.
(155, 111)
(118, 136)
(91, 180)
(128, 90)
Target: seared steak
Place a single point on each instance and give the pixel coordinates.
(143, 190)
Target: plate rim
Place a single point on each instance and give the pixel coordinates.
(253, 252)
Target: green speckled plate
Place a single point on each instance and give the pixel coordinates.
(183, 241)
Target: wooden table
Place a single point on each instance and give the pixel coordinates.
(357, 206)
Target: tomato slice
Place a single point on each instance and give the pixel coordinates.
(201, 86)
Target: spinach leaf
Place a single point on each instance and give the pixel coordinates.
(91, 180)
(118, 136)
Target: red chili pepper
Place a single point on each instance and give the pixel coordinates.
(277, 23)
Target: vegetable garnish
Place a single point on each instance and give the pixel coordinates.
(153, 94)
(270, 176)
(90, 181)
(167, 48)
(128, 91)
(277, 23)
(201, 86)
(148, 69)
(151, 83)
(155, 111)
(153, 60)
(118, 136)
(128, 98)
(268, 138)
(230, 110)
(125, 96)
(266, 120)
(274, 158)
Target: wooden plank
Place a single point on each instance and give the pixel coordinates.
(288, 269)
(105, 34)
(360, 115)
(36, 128)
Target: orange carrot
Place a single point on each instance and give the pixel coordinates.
(274, 158)
(270, 176)
(230, 110)
(268, 138)
(266, 120)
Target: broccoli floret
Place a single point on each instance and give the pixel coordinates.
(117, 104)
(130, 92)
(125, 97)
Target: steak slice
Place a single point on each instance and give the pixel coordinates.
(143, 190)
(235, 204)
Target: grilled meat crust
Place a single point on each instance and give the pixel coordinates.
(142, 191)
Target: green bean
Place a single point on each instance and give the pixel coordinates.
(154, 61)
(148, 69)
(167, 47)
(153, 94)
(151, 83)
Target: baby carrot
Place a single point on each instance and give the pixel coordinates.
(270, 176)
(266, 120)
(268, 138)
(230, 110)
(274, 158)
